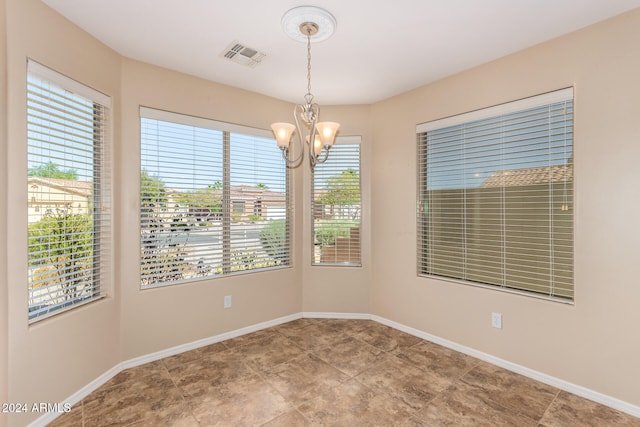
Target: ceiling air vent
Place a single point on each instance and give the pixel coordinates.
(243, 55)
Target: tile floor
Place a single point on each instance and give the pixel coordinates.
(331, 372)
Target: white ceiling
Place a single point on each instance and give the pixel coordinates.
(380, 47)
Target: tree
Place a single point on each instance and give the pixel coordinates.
(203, 202)
(262, 186)
(342, 190)
(152, 192)
(273, 237)
(161, 258)
(60, 250)
(52, 170)
(326, 231)
(215, 186)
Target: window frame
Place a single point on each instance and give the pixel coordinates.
(474, 117)
(354, 140)
(232, 136)
(44, 80)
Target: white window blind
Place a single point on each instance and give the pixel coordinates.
(68, 190)
(337, 206)
(213, 199)
(495, 197)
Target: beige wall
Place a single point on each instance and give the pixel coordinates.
(594, 343)
(4, 338)
(50, 360)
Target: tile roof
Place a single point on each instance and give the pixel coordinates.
(246, 192)
(530, 176)
(83, 188)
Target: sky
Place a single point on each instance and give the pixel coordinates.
(186, 157)
(464, 156)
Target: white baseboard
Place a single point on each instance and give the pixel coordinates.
(578, 390)
(612, 402)
(332, 315)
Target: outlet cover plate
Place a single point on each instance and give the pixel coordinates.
(496, 320)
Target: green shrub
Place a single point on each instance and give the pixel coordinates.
(326, 230)
(273, 237)
(245, 260)
(61, 250)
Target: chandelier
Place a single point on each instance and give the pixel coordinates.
(304, 23)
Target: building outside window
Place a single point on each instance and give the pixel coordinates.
(495, 197)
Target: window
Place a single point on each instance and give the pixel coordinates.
(238, 210)
(495, 197)
(200, 182)
(68, 191)
(336, 205)
(257, 208)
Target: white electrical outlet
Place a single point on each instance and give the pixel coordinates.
(227, 301)
(496, 320)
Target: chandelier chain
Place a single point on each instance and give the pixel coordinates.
(309, 62)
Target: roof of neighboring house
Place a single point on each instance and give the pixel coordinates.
(244, 192)
(81, 188)
(251, 192)
(529, 176)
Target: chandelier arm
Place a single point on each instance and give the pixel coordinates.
(291, 164)
(312, 137)
(323, 158)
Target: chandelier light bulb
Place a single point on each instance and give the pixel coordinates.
(327, 132)
(317, 146)
(283, 132)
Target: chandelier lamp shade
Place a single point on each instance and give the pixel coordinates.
(305, 23)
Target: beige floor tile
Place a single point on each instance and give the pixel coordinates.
(290, 419)
(198, 376)
(248, 338)
(571, 410)
(349, 326)
(439, 360)
(265, 353)
(354, 404)
(462, 405)
(314, 336)
(151, 396)
(351, 356)
(176, 416)
(386, 338)
(294, 325)
(137, 372)
(172, 362)
(251, 401)
(404, 382)
(72, 418)
(515, 392)
(303, 378)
